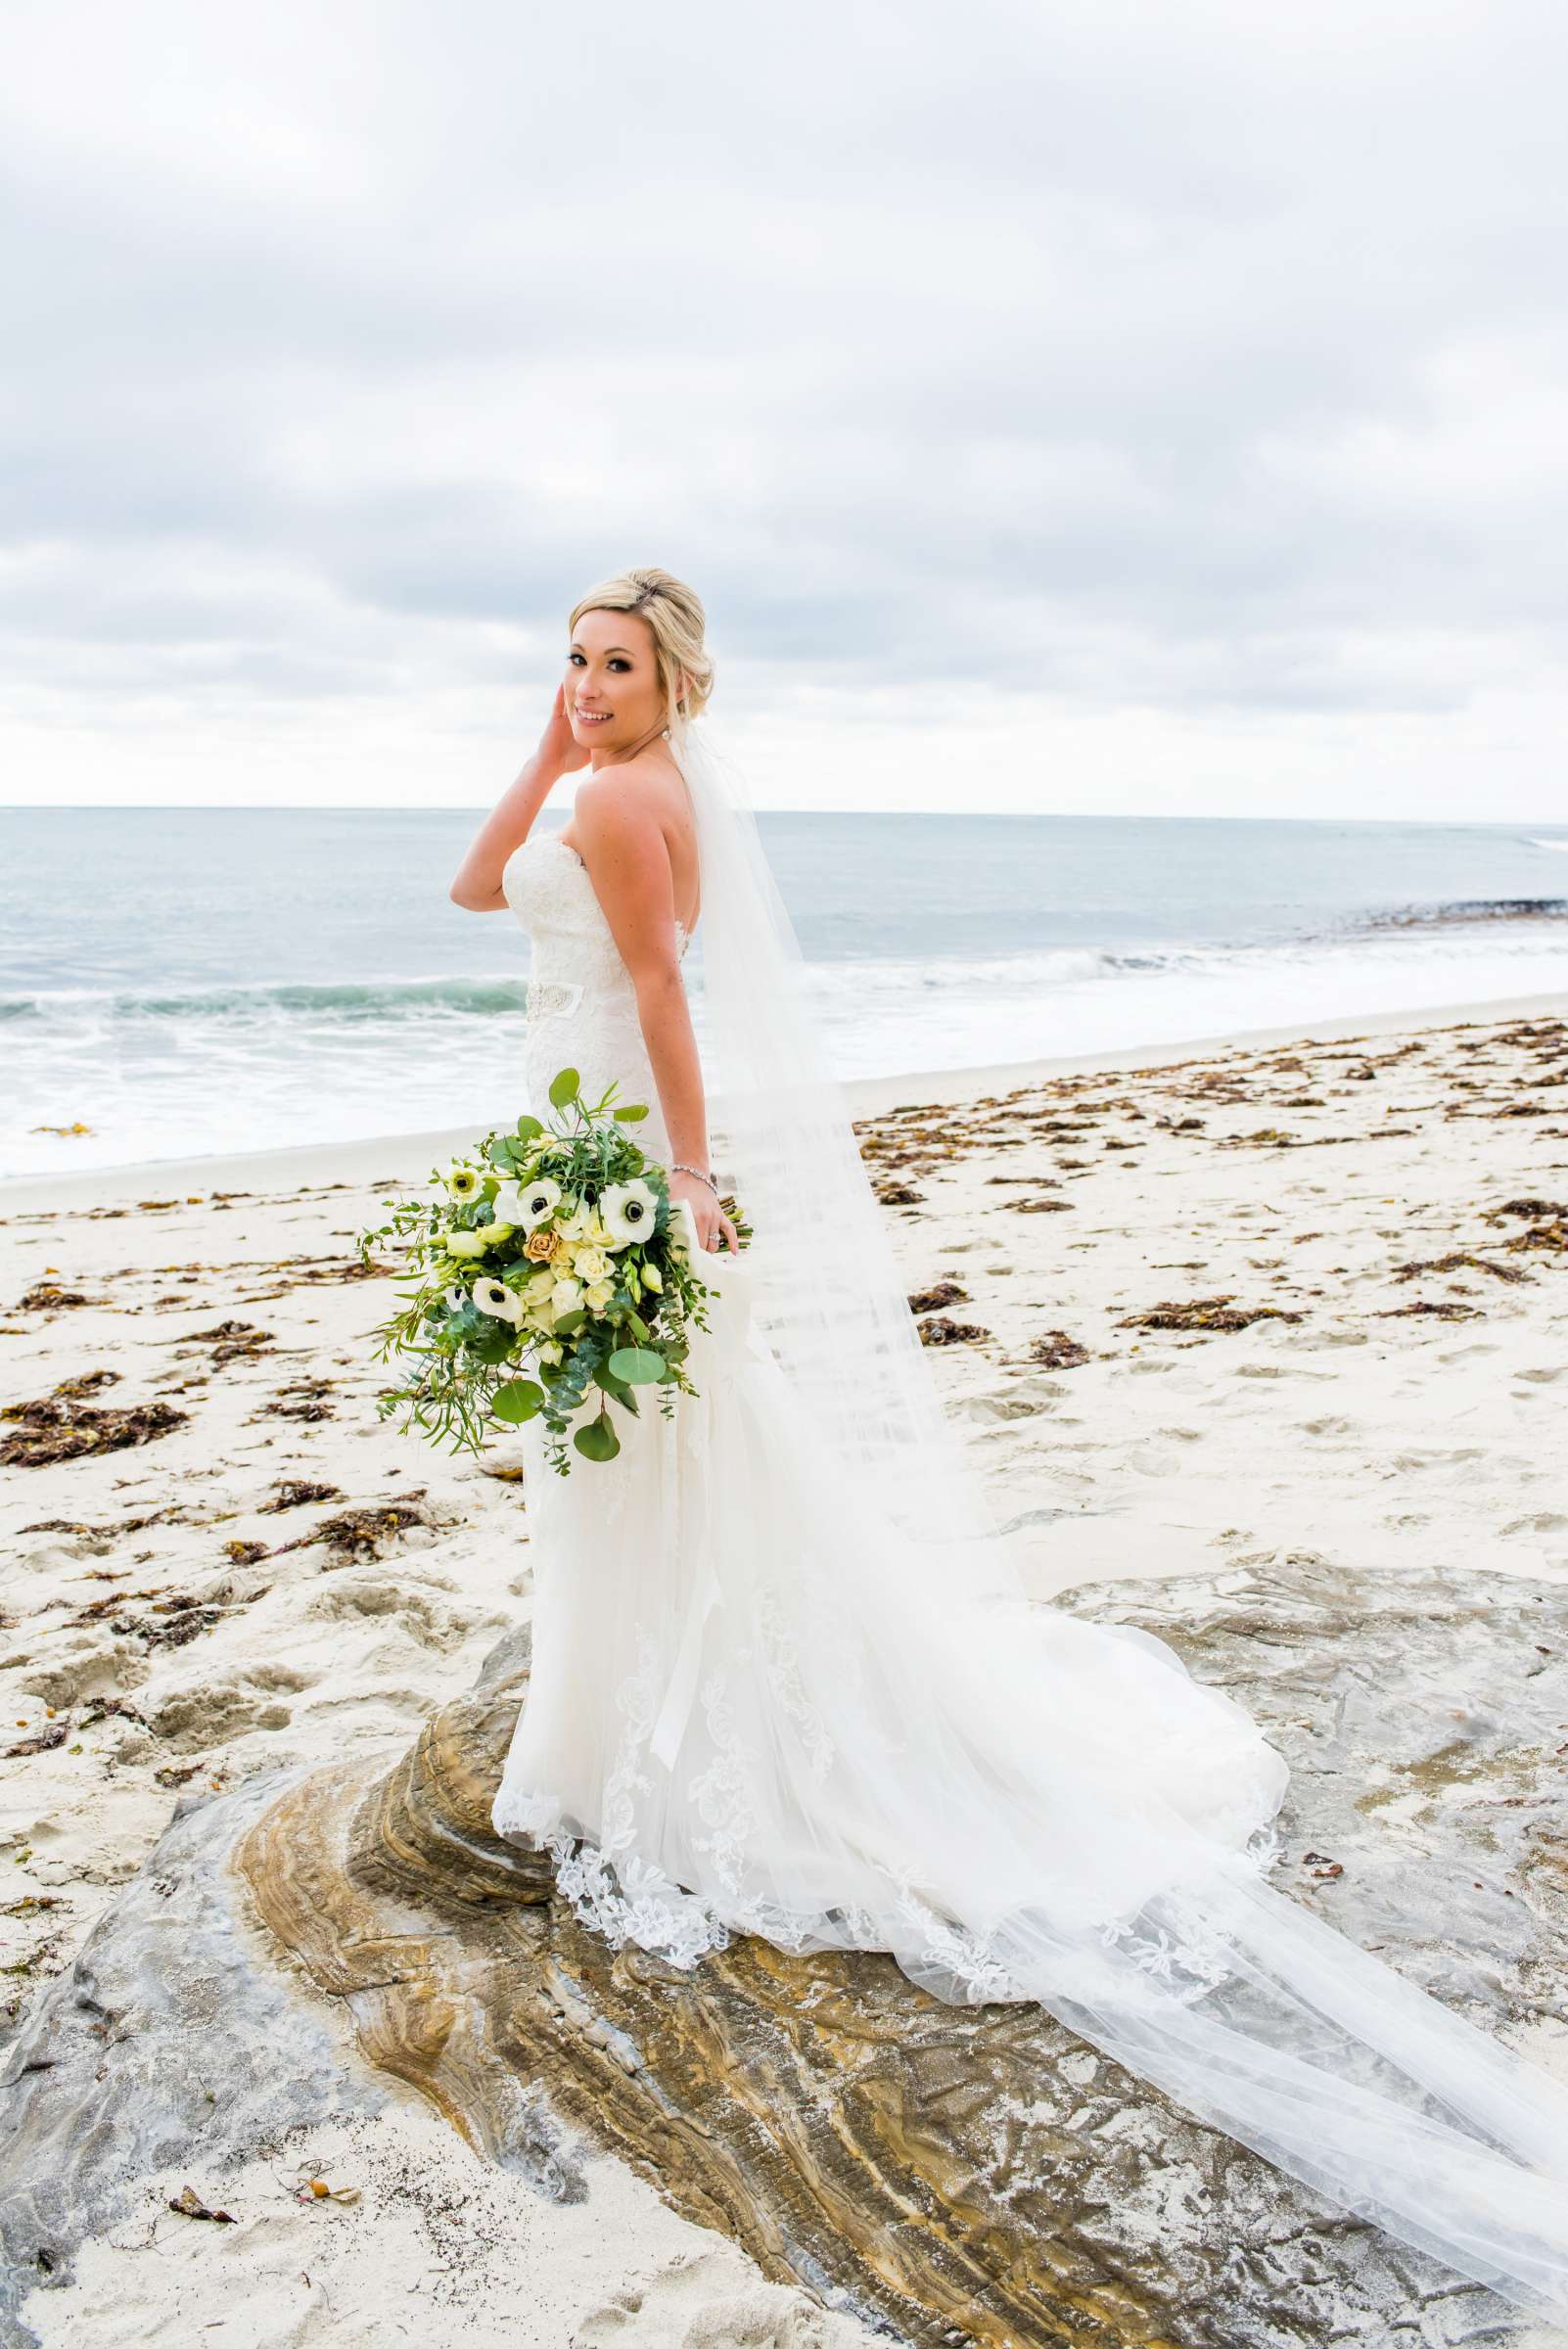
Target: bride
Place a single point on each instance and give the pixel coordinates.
(786, 1680)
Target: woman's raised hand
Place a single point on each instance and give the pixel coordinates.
(559, 748)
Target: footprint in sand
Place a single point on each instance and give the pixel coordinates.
(1410, 1463)
(94, 1667)
(198, 1719)
(1023, 1401)
(707, 2301)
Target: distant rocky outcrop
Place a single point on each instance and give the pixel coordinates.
(952, 2174)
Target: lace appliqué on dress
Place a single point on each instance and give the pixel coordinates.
(784, 1657)
(625, 1898)
(607, 1886)
(549, 999)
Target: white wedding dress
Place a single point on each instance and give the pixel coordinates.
(757, 1704)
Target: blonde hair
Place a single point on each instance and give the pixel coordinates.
(674, 613)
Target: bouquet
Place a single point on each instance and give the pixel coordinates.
(552, 1261)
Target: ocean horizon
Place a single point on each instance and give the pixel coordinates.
(185, 982)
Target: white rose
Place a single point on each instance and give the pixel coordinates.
(577, 1224)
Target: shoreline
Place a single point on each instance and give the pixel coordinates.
(357, 1160)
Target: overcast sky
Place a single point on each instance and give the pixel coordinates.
(1144, 407)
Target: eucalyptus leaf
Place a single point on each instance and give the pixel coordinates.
(518, 1401)
(564, 1087)
(618, 1388)
(495, 1342)
(597, 1440)
(639, 1366)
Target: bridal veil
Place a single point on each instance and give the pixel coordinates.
(1051, 1848)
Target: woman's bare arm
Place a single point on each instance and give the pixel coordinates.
(624, 847)
(477, 886)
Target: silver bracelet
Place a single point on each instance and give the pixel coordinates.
(678, 1169)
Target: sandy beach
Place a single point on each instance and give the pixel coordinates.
(1194, 1305)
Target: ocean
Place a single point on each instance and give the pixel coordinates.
(185, 982)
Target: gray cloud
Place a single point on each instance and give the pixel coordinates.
(1099, 357)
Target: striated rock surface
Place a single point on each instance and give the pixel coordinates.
(180, 2030)
(951, 2175)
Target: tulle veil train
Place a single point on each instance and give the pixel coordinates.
(1068, 1817)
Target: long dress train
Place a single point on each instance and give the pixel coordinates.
(719, 1735)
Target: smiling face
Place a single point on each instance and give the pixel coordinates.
(612, 685)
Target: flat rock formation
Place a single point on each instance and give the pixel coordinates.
(947, 2174)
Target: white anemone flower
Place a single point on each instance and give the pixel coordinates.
(455, 1298)
(494, 1297)
(628, 1210)
(539, 1201)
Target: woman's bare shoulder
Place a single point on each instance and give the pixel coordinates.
(636, 796)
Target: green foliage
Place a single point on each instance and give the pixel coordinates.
(461, 1362)
(597, 1440)
(519, 1400)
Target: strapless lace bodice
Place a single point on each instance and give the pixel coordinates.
(582, 1004)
